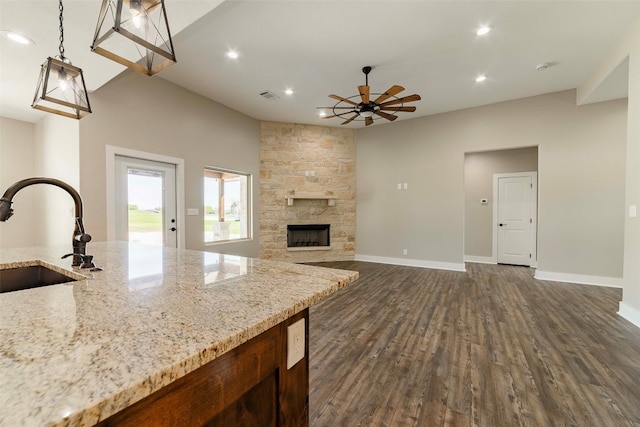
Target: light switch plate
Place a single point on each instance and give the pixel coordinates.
(192, 211)
(633, 211)
(295, 343)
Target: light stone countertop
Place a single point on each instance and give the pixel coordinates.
(74, 354)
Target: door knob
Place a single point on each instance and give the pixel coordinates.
(501, 224)
(172, 229)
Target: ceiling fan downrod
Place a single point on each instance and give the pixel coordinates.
(366, 70)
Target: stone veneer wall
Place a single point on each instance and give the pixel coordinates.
(288, 153)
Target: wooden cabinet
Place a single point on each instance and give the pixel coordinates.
(248, 386)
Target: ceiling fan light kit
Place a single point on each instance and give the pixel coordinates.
(61, 89)
(367, 109)
(135, 33)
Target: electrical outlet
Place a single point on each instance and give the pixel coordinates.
(295, 343)
(404, 252)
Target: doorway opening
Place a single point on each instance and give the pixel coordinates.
(483, 240)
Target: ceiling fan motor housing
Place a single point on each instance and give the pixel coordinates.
(367, 110)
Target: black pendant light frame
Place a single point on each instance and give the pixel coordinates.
(51, 97)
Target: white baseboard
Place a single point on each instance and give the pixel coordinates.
(480, 259)
(438, 265)
(613, 282)
(629, 313)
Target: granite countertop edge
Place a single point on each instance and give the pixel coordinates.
(150, 385)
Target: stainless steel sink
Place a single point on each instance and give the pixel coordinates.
(32, 276)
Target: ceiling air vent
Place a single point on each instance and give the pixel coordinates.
(267, 94)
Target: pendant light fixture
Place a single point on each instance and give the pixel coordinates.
(61, 89)
(135, 33)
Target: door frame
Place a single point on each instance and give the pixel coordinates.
(111, 153)
(534, 215)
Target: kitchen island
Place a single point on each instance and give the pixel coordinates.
(189, 337)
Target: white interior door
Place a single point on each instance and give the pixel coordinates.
(515, 214)
(145, 201)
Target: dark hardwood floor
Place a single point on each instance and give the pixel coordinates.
(408, 346)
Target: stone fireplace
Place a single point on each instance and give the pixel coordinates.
(307, 178)
(309, 237)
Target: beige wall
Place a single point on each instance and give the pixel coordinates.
(581, 181)
(17, 151)
(155, 116)
(479, 169)
(627, 48)
(48, 148)
(327, 155)
(631, 294)
(56, 156)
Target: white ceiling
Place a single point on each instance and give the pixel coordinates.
(318, 47)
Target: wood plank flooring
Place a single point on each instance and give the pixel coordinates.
(408, 346)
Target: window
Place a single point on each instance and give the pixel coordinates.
(227, 205)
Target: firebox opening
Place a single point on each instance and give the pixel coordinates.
(308, 236)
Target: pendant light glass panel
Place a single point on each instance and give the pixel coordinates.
(135, 33)
(61, 90)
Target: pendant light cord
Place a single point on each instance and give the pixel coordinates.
(61, 47)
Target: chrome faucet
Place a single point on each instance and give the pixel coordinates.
(79, 239)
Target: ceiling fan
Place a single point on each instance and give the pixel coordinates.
(366, 109)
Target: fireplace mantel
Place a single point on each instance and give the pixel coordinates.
(331, 200)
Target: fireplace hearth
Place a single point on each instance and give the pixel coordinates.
(308, 237)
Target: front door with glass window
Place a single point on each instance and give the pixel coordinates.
(145, 201)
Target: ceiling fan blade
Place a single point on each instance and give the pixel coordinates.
(336, 115)
(349, 120)
(409, 98)
(407, 109)
(339, 98)
(393, 90)
(368, 121)
(334, 108)
(390, 117)
(364, 94)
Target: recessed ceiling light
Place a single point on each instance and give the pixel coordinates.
(483, 30)
(481, 78)
(289, 91)
(232, 54)
(17, 37)
(322, 114)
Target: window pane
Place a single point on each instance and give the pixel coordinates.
(145, 199)
(227, 205)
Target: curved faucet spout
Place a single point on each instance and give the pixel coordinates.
(79, 239)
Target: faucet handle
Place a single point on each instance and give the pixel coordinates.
(83, 237)
(87, 261)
